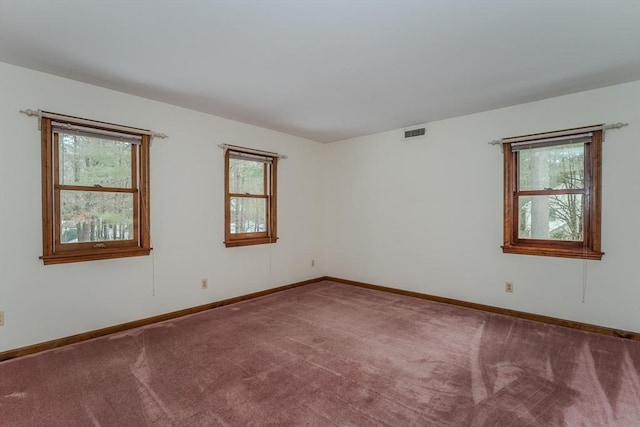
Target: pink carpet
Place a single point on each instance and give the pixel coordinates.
(329, 354)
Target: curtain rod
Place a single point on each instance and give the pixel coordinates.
(601, 127)
(225, 147)
(40, 114)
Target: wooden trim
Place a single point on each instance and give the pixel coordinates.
(80, 121)
(498, 310)
(73, 339)
(65, 249)
(508, 180)
(553, 134)
(248, 242)
(248, 196)
(53, 251)
(595, 196)
(47, 187)
(258, 238)
(273, 200)
(550, 192)
(590, 246)
(249, 236)
(578, 251)
(88, 189)
(94, 254)
(227, 200)
(55, 165)
(144, 195)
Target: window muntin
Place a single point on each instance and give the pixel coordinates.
(250, 198)
(552, 196)
(95, 193)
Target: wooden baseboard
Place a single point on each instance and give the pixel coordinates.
(489, 308)
(48, 345)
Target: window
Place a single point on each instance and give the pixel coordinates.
(250, 197)
(95, 197)
(552, 186)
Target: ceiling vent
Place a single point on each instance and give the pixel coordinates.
(414, 132)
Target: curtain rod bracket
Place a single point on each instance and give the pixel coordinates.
(30, 112)
(616, 125)
(158, 135)
(497, 142)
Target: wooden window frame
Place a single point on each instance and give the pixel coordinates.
(258, 238)
(590, 246)
(54, 252)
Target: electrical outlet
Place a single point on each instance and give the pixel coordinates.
(313, 263)
(204, 283)
(1, 318)
(508, 287)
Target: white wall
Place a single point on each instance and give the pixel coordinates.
(43, 303)
(426, 215)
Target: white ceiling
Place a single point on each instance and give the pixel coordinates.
(329, 69)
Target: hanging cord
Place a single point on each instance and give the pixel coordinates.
(584, 279)
(584, 270)
(270, 260)
(153, 274)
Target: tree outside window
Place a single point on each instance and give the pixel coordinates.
(250, 197)
(552, 194)
(95, 192)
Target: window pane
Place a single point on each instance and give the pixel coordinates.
(551, 217)
(246, 177)
(557, 167)
(248, 215)
(90, 216)
(92, 161)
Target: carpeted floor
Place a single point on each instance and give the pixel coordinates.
(329, 354)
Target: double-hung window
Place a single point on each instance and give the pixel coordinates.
(95, 197)
(552, 193)
(250, 197)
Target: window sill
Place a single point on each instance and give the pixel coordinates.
(577, 252)
(94, 255)
(249, 242)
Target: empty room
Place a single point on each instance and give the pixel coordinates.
(319, 213)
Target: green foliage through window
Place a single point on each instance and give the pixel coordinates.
(250, 197)
(95, 190)
(90, 216)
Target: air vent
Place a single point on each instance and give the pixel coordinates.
(415, 132)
